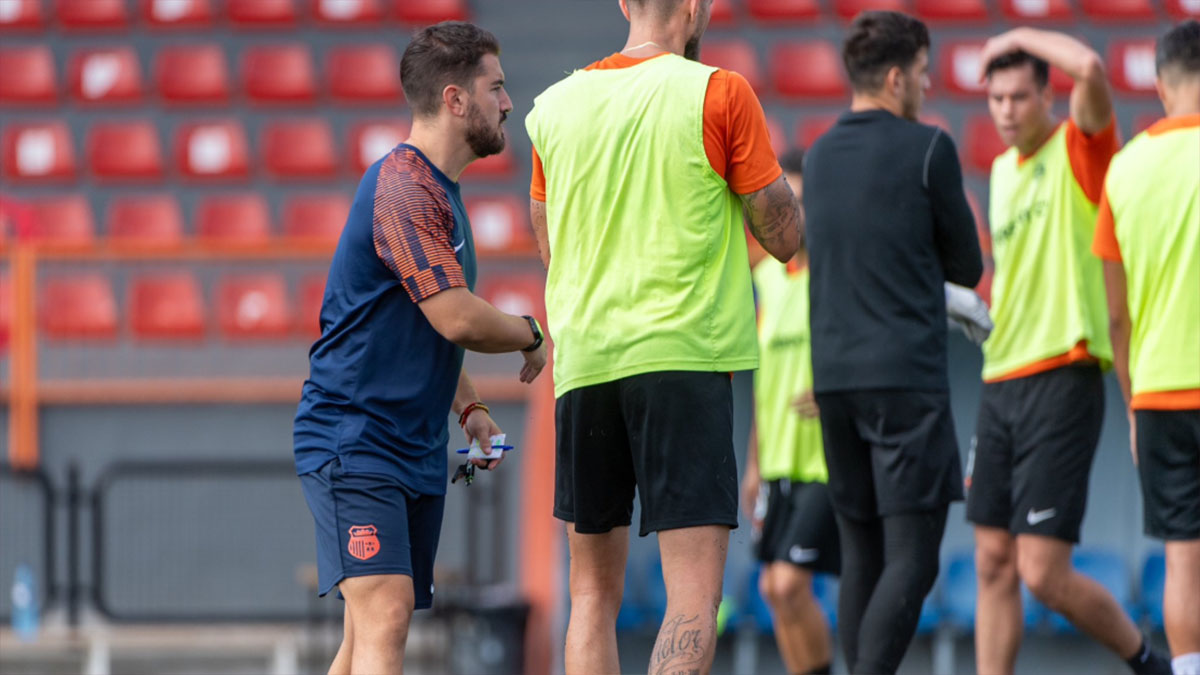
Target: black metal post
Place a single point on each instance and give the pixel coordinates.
(74, 505)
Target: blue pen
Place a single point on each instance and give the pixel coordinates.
(463, 451)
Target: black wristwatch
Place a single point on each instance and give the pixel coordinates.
(537, 333)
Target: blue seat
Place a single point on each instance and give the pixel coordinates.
(754, 607)
(632, 615)
(931, 614)
(1154, 576)
(1109, 570)
(825, 590)
(958, 592)
(656, 593)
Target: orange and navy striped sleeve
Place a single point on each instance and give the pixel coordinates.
(414, 227)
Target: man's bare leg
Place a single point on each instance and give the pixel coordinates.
(1181, 597)
(341, 662)
(597, 582)
(801, 630)
(693, 563)
(998, 617)
(381, 607)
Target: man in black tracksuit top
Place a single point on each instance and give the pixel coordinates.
(888, 224)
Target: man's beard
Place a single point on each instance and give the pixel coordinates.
(691, 50)
(483, 139)
(911, 105)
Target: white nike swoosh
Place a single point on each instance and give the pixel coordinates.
(1035, 517)
(461, 244)
(803, 555)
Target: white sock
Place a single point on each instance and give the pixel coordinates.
(1186, 664)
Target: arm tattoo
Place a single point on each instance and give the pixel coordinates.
(537, 215)
(775, 218)
(683, 642)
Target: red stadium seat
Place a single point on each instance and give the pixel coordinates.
(722, 13)
(279, 74)
(810, 128)
(234, 220)
(959, 64)
(778, 137)
(27, 75)
(1131, 66)
(494, 167)
(371, 140)
(808, 70)
(316, 217)
(212, 150)
(166, 306)
(519, 294)
(348, 12)
(21, 15)
(848, 9)
(177, 13)
(1037, 10)
(1118, 10)
(784, 10)
(736, 55)
(78, 307)
(38, 151)
(501, 224)
(299, 149)
(64, 220)
(952, 10)
(147, 221)
(105, 76)
(364, 73)
(1182, 9)
(312, 294)
(125, 150)
(431, 11)
(253, 306)
(192, 74)
(262, 13)
(983, 143)
(91, 14)
(6, 302)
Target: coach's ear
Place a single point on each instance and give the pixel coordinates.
(456, 100)
(893, 82)
(624, 8)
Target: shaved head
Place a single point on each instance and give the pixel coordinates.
(661, 8)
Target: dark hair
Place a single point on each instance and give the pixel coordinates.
(1041, 69)
(877, 42)
(792, 161)
(661, 8)
(1179, 48)
(446, 53)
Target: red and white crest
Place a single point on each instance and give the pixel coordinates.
(363, 542)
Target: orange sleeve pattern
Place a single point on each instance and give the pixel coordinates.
(1090, 156)
(1104, 242)
(736, 139)
(413, 227)
(537, 183)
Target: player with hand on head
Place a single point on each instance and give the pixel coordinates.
(798, 534)
(643, 165)
(371, 430)
(1148, 234)
(1042, 403)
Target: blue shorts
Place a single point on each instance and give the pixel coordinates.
(371, 524)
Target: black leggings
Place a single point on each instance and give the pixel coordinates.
(888, 566)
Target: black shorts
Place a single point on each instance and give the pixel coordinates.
(890, 452)
(1033, 450)
(668, 434)
(1168, 443)
(799, 527)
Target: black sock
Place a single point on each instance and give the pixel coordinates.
(1146, 661)
(821, 670)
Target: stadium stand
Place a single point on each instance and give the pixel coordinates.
(192, 74)
(125, 150)
(431, 11)
(167, 307)
(213, 150)
(27, 76)
(318, 217)
(364, 74)
(783, 10)
(254, 306)
(240, 219)
(499, 224)
(257, 14)
(348, 12)
(1150, 591)
(174, 14)
(299, 148)
(145, 221)
(736, 55)
(38, 151)
(280, 74)
(952, 11)
(810, 70)
(78, 307)
(91, 14)
(105, 76)
(66, 219)
(848, 9)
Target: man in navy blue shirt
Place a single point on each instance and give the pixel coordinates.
(371, 429)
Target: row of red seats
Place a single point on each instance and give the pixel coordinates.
(198, 75)
(168, 14)
(163, 306)
(284, 74)
(500, 222)
(129, 150)
(813, 70)
(962, 11)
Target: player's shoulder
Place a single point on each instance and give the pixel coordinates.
(406, 181)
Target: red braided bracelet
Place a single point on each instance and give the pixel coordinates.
(471, 407)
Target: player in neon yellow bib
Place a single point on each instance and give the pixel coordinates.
(1148, 234)
(1042, 404)
(798, 531)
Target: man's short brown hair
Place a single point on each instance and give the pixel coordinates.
(443, 54)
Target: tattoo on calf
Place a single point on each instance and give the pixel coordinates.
(682, 644)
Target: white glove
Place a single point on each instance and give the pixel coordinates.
(969, 312)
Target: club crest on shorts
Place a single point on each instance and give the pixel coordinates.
(363, 542)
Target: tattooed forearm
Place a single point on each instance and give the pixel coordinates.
(682, 645)
(537, 215)
(775, 218)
